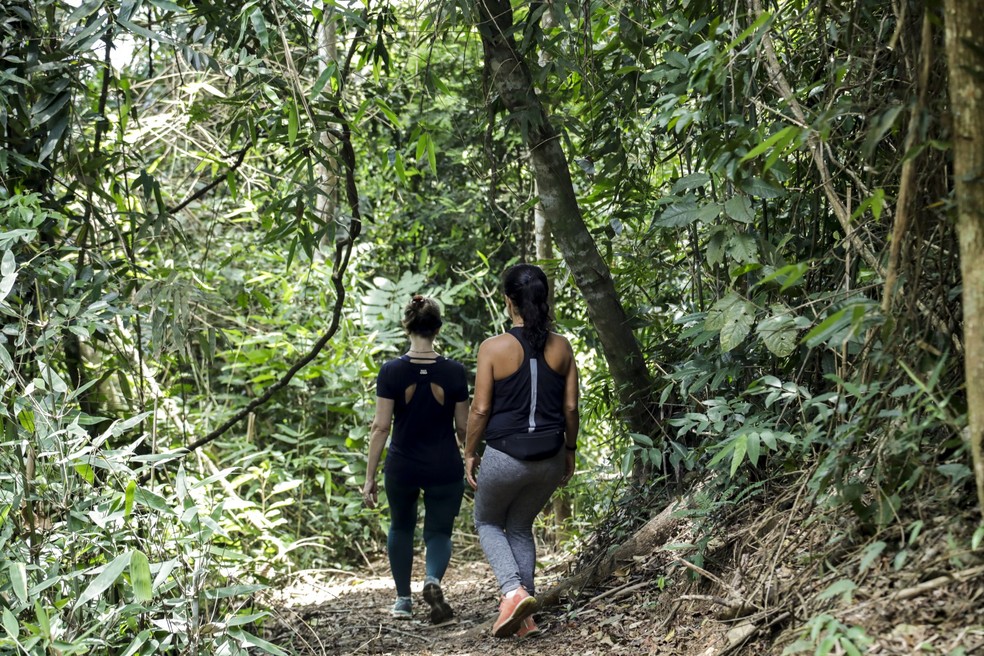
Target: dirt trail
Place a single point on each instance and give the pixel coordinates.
(349, 614)
(659, 604)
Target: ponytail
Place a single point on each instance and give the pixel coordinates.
(422, 316)
(526, 287)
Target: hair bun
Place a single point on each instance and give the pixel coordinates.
(417, 300)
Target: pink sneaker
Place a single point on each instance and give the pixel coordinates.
(527, 629)
(513, 609)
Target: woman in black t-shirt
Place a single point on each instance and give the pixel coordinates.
(424, 396)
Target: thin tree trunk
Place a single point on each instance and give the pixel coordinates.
(513, 83)
(327, 176)
(965, 55)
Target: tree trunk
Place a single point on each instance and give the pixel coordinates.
(513, 83)
(327, 194)
(965, 55)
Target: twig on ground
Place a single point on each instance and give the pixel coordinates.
(619, 591)
(365, 558)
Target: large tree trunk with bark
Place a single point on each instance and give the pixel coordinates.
(965, 54)
(511, 79)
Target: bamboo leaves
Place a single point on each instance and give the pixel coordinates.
(107, 577)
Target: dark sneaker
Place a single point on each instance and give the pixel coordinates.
(513, 609)
(402, 609)
(441, 611)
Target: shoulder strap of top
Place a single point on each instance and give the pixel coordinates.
(517, 332)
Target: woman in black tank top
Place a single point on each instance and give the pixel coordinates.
(525, 408)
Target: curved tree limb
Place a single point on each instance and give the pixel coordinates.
(343, 253)
(240, 157)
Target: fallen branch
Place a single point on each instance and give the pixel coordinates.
(620, 591)
(932, 584)
(654, 534)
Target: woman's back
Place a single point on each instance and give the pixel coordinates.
(528, 387)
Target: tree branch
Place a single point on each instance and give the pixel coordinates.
(240, 157)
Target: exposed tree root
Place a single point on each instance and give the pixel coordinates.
(654, 534)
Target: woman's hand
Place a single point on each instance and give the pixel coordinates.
(471, 464)
(569, 468)
(370, 495)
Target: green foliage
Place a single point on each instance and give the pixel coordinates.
(825, 635)
(167, 216)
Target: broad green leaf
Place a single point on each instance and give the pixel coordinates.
(727, 448)
(144, 32)
(642, 440)
(431, 154)
(18, 579)
(129, 497)
(140, 577)
(849, 647)
(876, 202)
(760, 188)
(163, 572)
(137, 643)
(880, 126)
(739, 208)
(778, 332)
(8, 264)
(391, 115)
(737, 323)
(742, 248)
(692, 181)
(717, 315)
(106, 578)
(167, 5)
(239, 620)
(328, 73)
(780, 148)
(233, 591)
(7, 284)
(715, 245)
(754, 448)
(44, 623)
(827, 328)
(686, 211)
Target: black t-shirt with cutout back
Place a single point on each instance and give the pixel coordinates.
(423, 450)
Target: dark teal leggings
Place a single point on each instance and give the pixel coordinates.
(441, 506)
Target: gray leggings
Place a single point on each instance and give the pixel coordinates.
(510, 494)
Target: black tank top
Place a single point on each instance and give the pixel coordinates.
(531, 399)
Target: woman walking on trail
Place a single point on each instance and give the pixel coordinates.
(525, 407)
(424, 396)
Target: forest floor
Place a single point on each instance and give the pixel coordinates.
(753, 595)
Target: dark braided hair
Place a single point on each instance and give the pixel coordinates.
(422, 316)
(526, 287)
